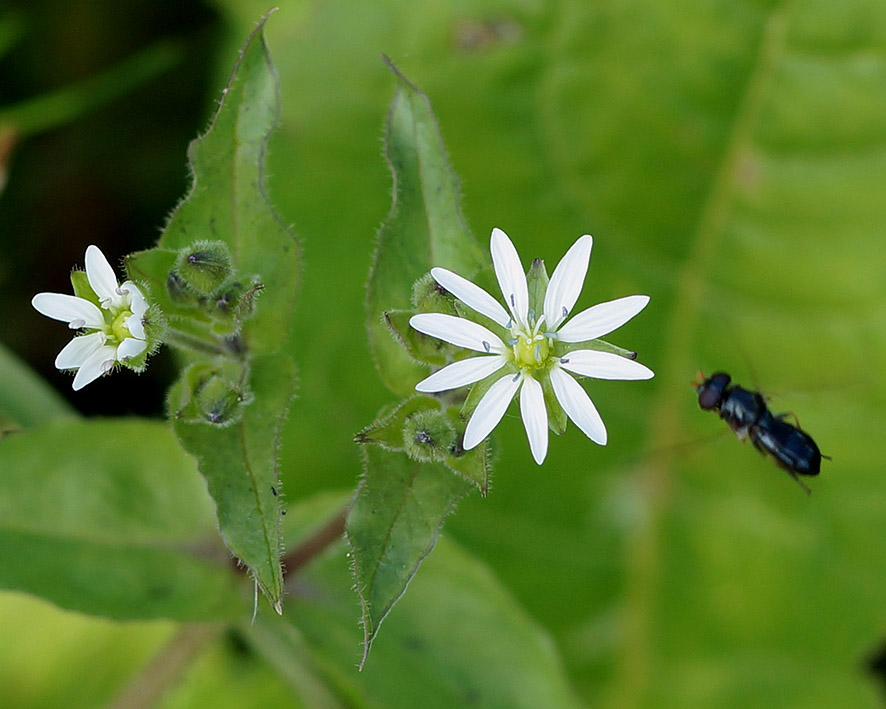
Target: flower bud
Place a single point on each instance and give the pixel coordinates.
(218, 403)
(178, 289)
(206, 394)
(428, 296)
(429, 436)
(204, 266)
(235, 300)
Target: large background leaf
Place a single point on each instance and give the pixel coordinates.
(728, 160)
(109, 518)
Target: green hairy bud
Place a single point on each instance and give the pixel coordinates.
(428, 296)
(205, 394)
(204, 266)
(429, 436)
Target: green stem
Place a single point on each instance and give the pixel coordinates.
(185, 341)
(168, 666)
(329, 534)
(60, 107)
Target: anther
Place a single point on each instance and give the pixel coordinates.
(513, 341)
(77, 324)
(486, 346)
(565, 312)
(564, 360)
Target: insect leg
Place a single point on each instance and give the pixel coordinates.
(782, 417)
(799, 482)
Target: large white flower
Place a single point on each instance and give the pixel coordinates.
(111, 323)
(535, 347)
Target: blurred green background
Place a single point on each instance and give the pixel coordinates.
(729, 158)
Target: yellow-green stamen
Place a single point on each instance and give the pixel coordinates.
(118, 328)
(531, 352)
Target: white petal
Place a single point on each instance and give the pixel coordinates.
(471, 295)
(135, 326)
(130, 347)
(138, 306)
(78, 312)
(101, 276)
(457, 331)
(602, 319)
(604, 365)
(461, 373)
(490, 410)
(565, 285)
(578, 406)
(510, 275)
(79, 350)
(96, 365)
(535, 417)
(137, 303)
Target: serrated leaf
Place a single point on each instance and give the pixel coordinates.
(459, 638)
(239, 463)
(393, 525)
(424, 229)
(110, 518)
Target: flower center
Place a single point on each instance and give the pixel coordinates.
(118, 329)
(531, 351)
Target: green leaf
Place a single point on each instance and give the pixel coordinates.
(458, 638)
(397, 514)
(223, 246)
(239, 462)
(228, 203)
(110, 518)
(25, 398)
(424, 229)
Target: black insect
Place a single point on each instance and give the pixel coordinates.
(748, 416)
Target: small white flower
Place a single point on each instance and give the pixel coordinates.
(535, 347)
(112, 322)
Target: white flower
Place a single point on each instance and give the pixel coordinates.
(535, 348)
(112, 321)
